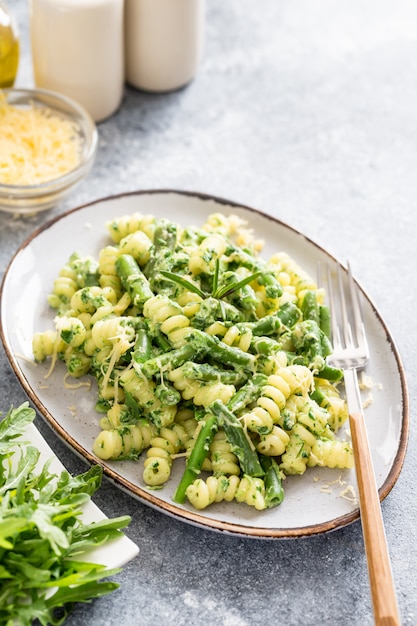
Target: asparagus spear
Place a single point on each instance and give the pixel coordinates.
(167, 360)
(310, 307)
(203, 342)
(274, 492)
(205, 371)
(162, 257)
(197, 456)
(272, 286)
(313, 346)
(133, 279)
(142, 350)
(241, 445)
(289, 314)
(247, 394)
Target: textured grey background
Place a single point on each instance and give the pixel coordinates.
(306, 110)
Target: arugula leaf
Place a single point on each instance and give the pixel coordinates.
(15, 422)
(42, 536)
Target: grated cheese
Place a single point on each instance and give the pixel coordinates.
(35, 145)
(349, 494)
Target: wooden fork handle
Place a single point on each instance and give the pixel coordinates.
(379, 567)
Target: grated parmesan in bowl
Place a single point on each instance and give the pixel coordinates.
(48, 144)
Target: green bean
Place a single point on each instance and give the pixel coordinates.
(333, 374)
(247, 394)
(167, 393)
(274, 492)
(205, 371)
(289, 314)
(266, 326)
(265, 346)
(162, 257)
(272, 286)
(167, 360)
(219, 351)
(142, 350)
(86, 270)
(325, 324)
(307, 339)
(242, 447)
(197, 456)
(133, 279)
(310, 307)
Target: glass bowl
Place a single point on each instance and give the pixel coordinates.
(29, 199)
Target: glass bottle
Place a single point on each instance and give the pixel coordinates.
(164, 42)
(9, 47)
(78, 50)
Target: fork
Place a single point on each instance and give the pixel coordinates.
(350, 354)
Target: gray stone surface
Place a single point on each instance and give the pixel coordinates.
(306, 110)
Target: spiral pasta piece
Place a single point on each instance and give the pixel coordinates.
(71, 330)
(274, 443)
(202, 393)
(221, 224)
(107, 269)
(112, 331)
(247, 489)
(107, 260)
(189, 302)
(46, 344)
(234, 227)
(126, 224)
(328, 453)
(169, 316)
(126, 442)
(233, 335)
(115, 416)
(279, 387)
(202, 259)
(308, 413)
(168, 442)
(315, 419)
(223, 460)
(89, 299)
(77, 362)
(143, 391)
(185, 417)
(293, 277)
(333, 403)
(76, 273)
(138, 245)
(257, 420)
(64, 287)
(295, 458)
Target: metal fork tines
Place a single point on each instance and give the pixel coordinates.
(351, 354)
(350, 347)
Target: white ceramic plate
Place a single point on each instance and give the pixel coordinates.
(314, 502)
(114, 553)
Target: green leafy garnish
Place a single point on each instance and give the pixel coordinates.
(42, 536)
(219, 291)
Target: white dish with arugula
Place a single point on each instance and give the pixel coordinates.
(56, 545)
(320, 500)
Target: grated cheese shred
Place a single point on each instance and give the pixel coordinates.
(36, 145)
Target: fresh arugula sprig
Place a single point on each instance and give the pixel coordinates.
(42, 535)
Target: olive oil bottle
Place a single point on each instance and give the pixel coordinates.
(9, 47)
